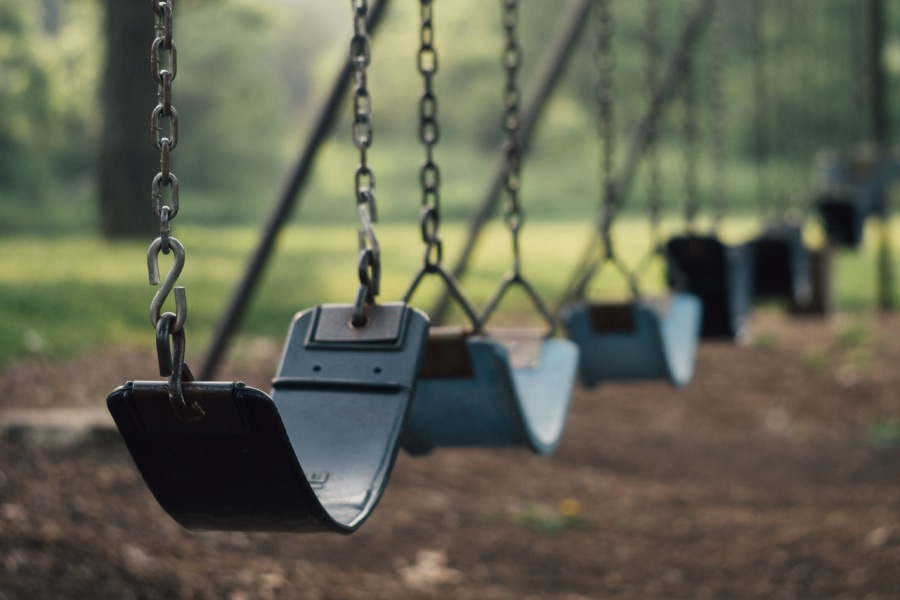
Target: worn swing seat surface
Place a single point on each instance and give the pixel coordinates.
(511, 389)
(720, 275)
(639, 340)
(315, 456)
(781, 265)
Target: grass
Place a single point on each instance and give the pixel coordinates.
(67, 295)
(884, 434)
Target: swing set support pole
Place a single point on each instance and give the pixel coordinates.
(281, 211)
(547, 74)
(693, 29)
(881, 133)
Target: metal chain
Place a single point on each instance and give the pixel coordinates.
(170, 336)
(512, 176)
(164, 118)
(429, 134)
(801, 23)
(717, 106)
(369, 266)
(689, 102)
(654, 54)
(164, 135)
(861, 32)
(430, 174)
(605, 60)
(760, 97)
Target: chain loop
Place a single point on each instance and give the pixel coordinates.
(717, 106)
(691, 135)
(430, 173)
(512, 175)
(654, 53)
(767, 208)
(605, 60)
(169, 326)
(164, 118)
(429, 135)
(369, 262)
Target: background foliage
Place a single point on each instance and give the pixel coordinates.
(252, 71)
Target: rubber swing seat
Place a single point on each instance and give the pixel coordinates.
(782, 265)
(720, 275)
(644, 339)
(314, 456)
(843, 217)
(481, 391)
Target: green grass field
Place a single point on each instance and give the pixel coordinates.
(69, 295)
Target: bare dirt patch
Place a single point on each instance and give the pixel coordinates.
(762, 479)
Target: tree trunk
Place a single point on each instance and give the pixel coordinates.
(128, 161)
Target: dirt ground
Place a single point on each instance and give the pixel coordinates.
(767, 477)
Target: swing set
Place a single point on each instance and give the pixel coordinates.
(359, 381)
(643, 338)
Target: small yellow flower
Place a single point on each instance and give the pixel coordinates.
(570, 508)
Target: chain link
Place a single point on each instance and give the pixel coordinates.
(691, 136)
(512, 176)
(430, 173)
(605, 60)
(369, 266)
(170, 336)
(164, 136)
(164, 118)
(429, 134)
(717, 106)
(654, 54)
(760, 94)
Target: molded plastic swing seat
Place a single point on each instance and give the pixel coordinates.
(646, 339)
(477, 391)
(843, 218)
(820, 300)
(781, 265)
(720, 275)
(315, 456)
(857, 186)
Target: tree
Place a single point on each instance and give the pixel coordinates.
(128, 161)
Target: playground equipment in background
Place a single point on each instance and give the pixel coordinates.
(641, 338)
(508, 387)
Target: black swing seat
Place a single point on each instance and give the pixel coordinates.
(720, 275)
(843, 216)
(857, 187)
(510, 389)
(782, 265)
(314, 456)
(645, 339)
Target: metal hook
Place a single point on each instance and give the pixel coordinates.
(168, 283)
(170, 349)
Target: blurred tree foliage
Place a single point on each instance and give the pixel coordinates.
(47, 87)
(251, 72)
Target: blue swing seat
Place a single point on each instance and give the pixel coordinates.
(820, 300)
(478, 391)
(314, 456)
(720, 275)
(640, 340)
(782, 265)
